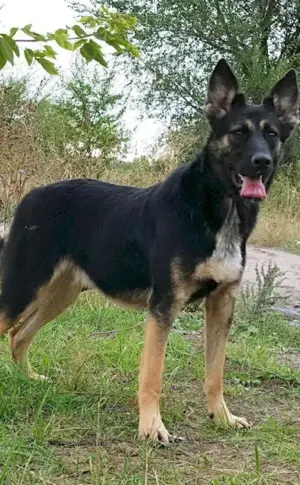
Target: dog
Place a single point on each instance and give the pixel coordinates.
(159, 247)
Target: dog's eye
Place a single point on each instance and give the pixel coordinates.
(237, 132)
(272, 134)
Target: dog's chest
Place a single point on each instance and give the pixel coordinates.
(225, 263)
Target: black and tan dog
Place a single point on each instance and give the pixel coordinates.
(158, 247)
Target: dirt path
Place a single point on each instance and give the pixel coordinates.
(289, 265)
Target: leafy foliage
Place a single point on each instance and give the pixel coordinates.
(180, 41)
(91, 114)
(88, 36)
(77, 133)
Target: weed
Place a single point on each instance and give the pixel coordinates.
(258, 297)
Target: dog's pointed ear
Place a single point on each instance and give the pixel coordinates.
(284, 100)
(222, 89)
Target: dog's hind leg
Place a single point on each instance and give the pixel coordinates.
(51, 300)
(219, 313)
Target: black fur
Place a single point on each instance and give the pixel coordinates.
(126, 239)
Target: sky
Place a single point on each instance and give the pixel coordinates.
(47, 16)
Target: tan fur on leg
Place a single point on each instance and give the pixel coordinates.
(219, 312)
(4, 324)
(151, 375)
(52, 299)
(20, 355)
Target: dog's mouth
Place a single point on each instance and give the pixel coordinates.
(251, 188)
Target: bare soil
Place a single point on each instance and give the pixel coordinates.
(288, 264)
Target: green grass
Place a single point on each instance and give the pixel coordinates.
(81, 427)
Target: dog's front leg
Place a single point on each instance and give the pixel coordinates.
(150, 380)
(219, 308)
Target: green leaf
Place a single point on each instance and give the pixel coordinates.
(50, 52)
(44, 53)
(98, 54)
(79, 43)
(47, 65)
(34, 35)
(117, 42)
(91, 51)
(61, 32)
(2, 60)
(88, 51)
(103, 34)
(16, 50)
(132, 49)
(39, 53)
(79, 31)
(61, 36)
(12, 44)
(87, 19)
(6, 50)
(64, 43)
(99, 58)
(13, 31)
(90, 21)
(28, 56)
(84, 51)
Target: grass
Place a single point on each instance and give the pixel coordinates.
(81, 426)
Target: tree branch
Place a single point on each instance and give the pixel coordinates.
(49, 40)
(179, 89)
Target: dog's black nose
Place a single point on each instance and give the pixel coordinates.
(261, 160)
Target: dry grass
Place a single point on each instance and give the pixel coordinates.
(275, 229)
(279, 221)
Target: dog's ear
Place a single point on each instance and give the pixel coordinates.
(284, 100)
(222, 89)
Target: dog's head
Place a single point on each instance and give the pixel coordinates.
(246, 139)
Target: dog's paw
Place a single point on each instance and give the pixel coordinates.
(240, 423)
(38, 377)
(237, 422)
(152, 428)
(222, 417)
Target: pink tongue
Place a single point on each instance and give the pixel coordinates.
(253, 188)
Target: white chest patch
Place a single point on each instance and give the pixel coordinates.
(225, 263)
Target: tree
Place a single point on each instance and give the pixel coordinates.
(88, 36)
(78, 131)
(91, 113)
(181, 40)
